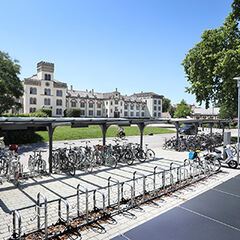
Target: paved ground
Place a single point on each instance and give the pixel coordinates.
(62, 186)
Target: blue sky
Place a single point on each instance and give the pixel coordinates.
(134, 45)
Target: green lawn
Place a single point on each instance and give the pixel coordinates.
(68, 133)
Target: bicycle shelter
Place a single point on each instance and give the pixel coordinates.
(21, 123)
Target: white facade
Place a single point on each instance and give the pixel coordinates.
(42, 91)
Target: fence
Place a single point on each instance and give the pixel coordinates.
(53, 218)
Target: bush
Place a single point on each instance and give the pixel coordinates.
(20, 136)
(36, 114)
(47, 111)
(73, 112)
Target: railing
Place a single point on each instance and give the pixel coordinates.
(88, 206)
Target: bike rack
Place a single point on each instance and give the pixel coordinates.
(78, 201)
(132, 192)
(134, 183)
(38, 208)
(109, 192)
(16, 231)
(94, 200)
(61, 200)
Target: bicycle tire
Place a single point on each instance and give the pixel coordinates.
(71, 169)
(150, 154)
(141, 155)
(128, 157)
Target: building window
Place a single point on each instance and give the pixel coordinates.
(59, 93)
(73, 104)
(110, 110)
(121, 103)
(99, 113)
(47, 101)
(155, 114)
(59, 102)
(47, 91)
(106, 103)
(132, 107)
(159, 108)
(47, 76)
(137, 107)
(90, 105)
(159, 101)
(116, 109)
(116, 102)
(125, 114)
(159, 114)
(90, 112)
(155, 108)
(58, 111)
(82, 113)
(155, 101)
(82, 105)
(32, 110)
(47, 84)
(99, 105)
(33, 101)
(33, 90)
(142, 114)
(111, 102)
(131, 114)
(126, 107)
(106, 111)
(137, 114)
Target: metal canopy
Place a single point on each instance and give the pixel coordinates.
(50, 123)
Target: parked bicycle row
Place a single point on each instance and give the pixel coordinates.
(88, 157)
(188, 143)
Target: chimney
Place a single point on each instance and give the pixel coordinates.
(86, 90)
(71, 87)
(92, 91)
(116, 89)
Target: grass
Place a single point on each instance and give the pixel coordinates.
(68, 133)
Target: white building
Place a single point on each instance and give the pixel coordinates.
(41, 90)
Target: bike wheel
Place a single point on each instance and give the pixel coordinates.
(112, 161)
(232, 164)
(128, 157)
(71, 169)
(141, 155)
(150, 154)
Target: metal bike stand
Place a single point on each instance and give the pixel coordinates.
(78, 201)
(109, 191)
(65, 202)
(16, 230)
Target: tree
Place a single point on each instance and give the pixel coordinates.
(227, 112)
(236, 9)
(212, 64)
(11, 87)
(171, 111)
(166, 103)
(183, 110)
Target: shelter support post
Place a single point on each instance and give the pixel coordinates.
(50, 135)
(177, 125)
(104, 128)
(141, 127)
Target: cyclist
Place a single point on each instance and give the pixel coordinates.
(121, 133)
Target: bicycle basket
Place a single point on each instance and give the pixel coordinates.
(99, 147)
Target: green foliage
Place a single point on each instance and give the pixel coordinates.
(227, 112)
(21, 136)
(73, 112)
(171, 111)
(47, 111)
(212, 64)
(236, 9)
(36, 114)
(183, 110)
(11, 87)
(166, 103)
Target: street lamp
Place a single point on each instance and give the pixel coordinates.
(238, 85)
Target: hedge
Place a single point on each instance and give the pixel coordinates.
(73, 112)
